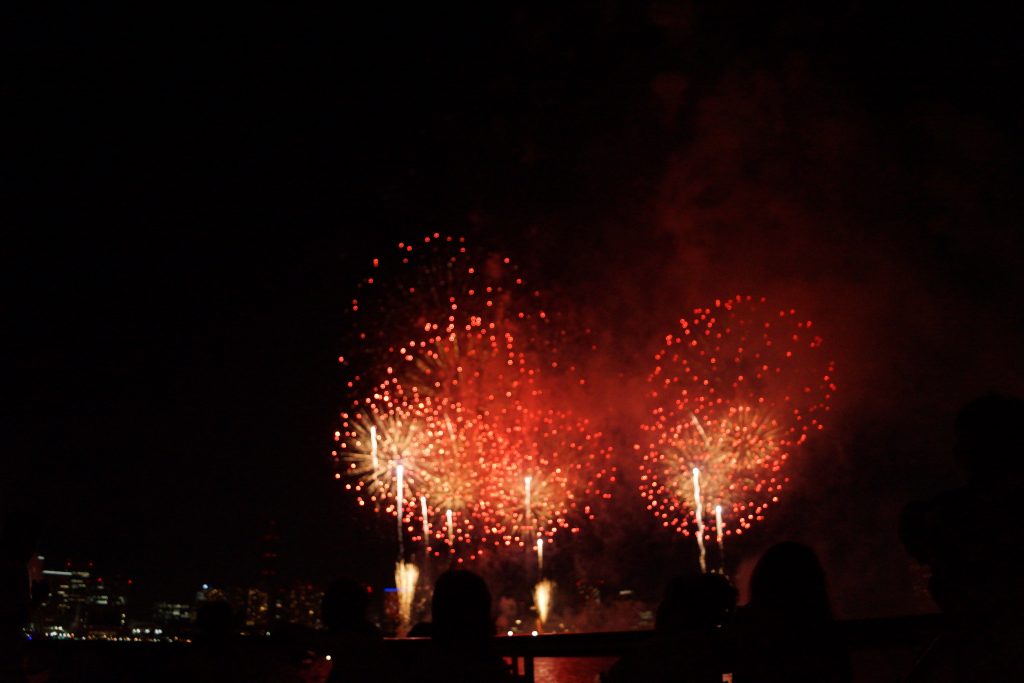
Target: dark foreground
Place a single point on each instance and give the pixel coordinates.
(881, 650)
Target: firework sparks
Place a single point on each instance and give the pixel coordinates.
(400, 506)
(386, 432)
(464, 360)
(719, 525)
(406, 576)
(425, 519)
(374, 464)
(720, 537)
(527, 481)
(569, 465)
(543, 593)
(698, 513)
(735, 391)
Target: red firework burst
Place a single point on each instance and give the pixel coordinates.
(735, 391)
(458, 357)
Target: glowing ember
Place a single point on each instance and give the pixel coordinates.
(735, 391)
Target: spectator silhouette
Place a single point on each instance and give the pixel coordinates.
(423, 629)
(461, 608)
(343, 610)
(17, 542)
(214, 655)
(461, 628)
(220, 655)
(697, 602)
(690, 644)
(786, 632)
(355, 644)
(977, 575)
(215, 624)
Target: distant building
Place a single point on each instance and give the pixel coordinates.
(251, 606)
(147, 631)
(296, 602)
(79, 602)
(257, 608)
(63, 613)
(300, 604)
(107, 603)
(269, 585)
(173, 613)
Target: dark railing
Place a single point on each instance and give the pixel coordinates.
(909, 634)
(522, 651)
(878, 638)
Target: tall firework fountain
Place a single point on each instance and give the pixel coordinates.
(737, 389)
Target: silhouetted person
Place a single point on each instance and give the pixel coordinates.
(462, 627)
(219, 654)
(690, 644)
(694, 603)
(786, 632)
(461, 608)
(215, 624)
(216, 653)
(423, 629)
(355, 643)
(17, 541)
(973, 544)
(343, 610)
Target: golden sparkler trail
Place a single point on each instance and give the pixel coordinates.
(698, 511)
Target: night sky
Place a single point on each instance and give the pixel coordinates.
(191, 200)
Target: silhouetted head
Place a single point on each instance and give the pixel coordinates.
(788, 580)
(918, 531)
(17, 536)
(461, 607)
(214, 621)
(972, 571)
(989, 440)
(344, 605)
(695, 603)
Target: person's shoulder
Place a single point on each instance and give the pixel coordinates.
(422, 630)
(371, 631)
(748, 617)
